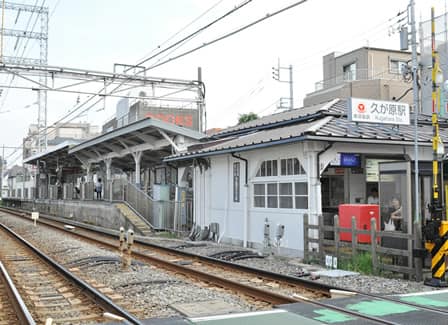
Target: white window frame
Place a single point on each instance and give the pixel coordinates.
(301, 177)
(400, 64)
(278, 207)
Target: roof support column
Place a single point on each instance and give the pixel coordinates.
(89, 178)
(108, 162)
(311, 151)
(108, 189)
(137, 158)
(88, 168)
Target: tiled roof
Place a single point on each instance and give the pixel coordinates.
(331, 125)
(335, 106)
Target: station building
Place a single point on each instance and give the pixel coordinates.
(273, 171)
(307, 161)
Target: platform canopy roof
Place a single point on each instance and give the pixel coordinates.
(155, 139)
(56, 156)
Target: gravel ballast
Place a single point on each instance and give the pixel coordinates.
(151, 291)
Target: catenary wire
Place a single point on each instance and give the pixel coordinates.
(223, 37)
(197, 31)
(181, 30)
(119, 85)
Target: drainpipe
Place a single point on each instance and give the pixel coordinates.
(246, 198)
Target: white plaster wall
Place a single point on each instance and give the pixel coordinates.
(230, 215)
(214, 188)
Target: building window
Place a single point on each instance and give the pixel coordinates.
(268, 168)
(397, 66)
(283, 195)
(236, 182)
(272, 196)
(259, 195)
(282, 184)
(301, 195)
(289, 166)
(349, 71)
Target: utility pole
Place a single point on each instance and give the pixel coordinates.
(276, 76)
(415, 91)
(202, 126)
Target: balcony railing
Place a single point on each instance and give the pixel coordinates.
(361, 74)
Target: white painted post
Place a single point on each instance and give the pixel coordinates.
(137, 159)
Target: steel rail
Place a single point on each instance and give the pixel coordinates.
(312, 285)
(19, 306)
(267, 296)
(97, 296)
(263, 295)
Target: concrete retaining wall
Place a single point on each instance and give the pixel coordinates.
(101, 214)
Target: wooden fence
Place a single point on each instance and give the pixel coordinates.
(390, 250)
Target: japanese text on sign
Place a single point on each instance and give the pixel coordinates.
(378, 111)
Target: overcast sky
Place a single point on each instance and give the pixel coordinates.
(95, 34)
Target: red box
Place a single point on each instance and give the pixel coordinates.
(363, 213)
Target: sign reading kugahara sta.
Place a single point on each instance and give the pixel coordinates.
(378, 111)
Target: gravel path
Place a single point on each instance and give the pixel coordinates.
(293, 266)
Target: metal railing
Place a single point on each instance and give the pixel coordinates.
(361, 74)
(171, 215)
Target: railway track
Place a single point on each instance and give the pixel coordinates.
(12, 308)
(258, 284)
(51, 292)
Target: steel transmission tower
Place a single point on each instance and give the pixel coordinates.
(40, 14)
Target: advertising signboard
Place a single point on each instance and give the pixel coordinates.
(378, 111)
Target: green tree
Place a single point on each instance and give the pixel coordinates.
(243, 118)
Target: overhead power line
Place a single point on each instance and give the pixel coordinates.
(181, 30)
(119, 85)
(197, 31)
(267, 16)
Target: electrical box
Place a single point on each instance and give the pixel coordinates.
(362, 213)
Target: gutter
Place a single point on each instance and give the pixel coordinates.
(237, 149)
(245, 167)
(290, 140)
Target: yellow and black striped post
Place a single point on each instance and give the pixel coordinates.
(436, 229)
(438, 250)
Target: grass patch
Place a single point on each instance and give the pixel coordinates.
(166, 234)
(361, 263)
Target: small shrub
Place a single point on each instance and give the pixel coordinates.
(361, 263)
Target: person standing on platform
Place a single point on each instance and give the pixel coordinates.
(98, 189)
(373, 197)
